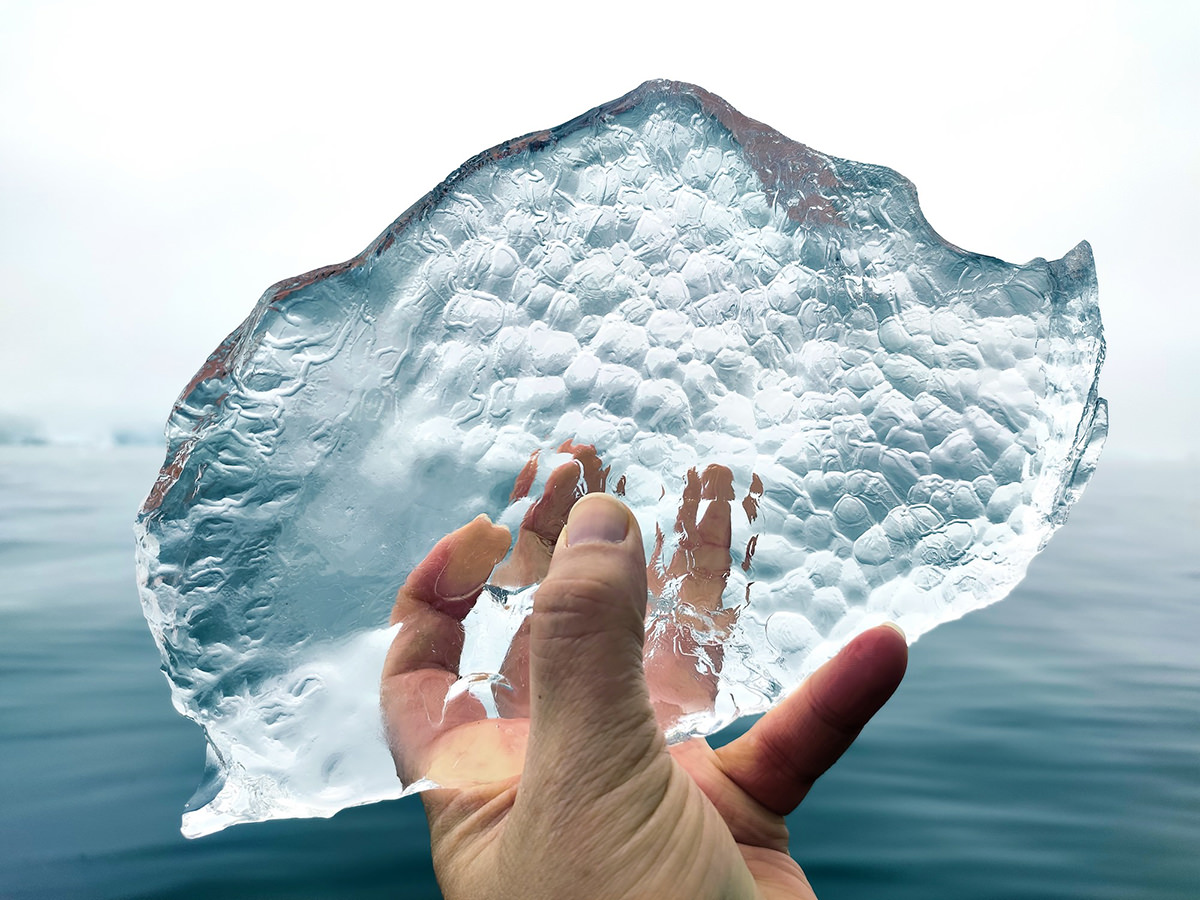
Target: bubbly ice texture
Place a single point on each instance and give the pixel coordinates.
(905, 423)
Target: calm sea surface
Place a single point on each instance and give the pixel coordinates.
(1047, 747)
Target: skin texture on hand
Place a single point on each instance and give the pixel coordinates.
(576, 794)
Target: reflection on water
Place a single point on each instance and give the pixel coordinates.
(1046, 746)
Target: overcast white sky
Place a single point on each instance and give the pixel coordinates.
(162, 164)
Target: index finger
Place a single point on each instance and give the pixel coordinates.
(792, 745)
(422, 665)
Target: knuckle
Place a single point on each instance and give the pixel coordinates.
(574, 603)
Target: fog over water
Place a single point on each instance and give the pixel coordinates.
(161, 166)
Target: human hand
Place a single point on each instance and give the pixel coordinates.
(581, 797)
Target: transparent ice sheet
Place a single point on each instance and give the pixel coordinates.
(905, 424)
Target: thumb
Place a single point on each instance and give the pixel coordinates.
(590, 714)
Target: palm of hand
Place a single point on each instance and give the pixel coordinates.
(677, 826)
(534, 804)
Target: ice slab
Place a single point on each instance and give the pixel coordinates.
(731, 319)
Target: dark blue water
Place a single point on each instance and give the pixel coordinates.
(1046, 747)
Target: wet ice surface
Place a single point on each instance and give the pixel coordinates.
(903, 423)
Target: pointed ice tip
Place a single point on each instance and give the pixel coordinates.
(1079, 260)
(1076, 272)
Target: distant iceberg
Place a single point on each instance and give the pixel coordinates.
(137, 437)
(20, 430)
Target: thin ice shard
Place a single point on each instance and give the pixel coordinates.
(723, 318)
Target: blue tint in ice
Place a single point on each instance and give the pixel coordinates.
(906, 424)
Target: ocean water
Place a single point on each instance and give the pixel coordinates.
(1048, 746)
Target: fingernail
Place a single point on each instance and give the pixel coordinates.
(896, 628)
(457, 583)
(479, 547)
(597, 518)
